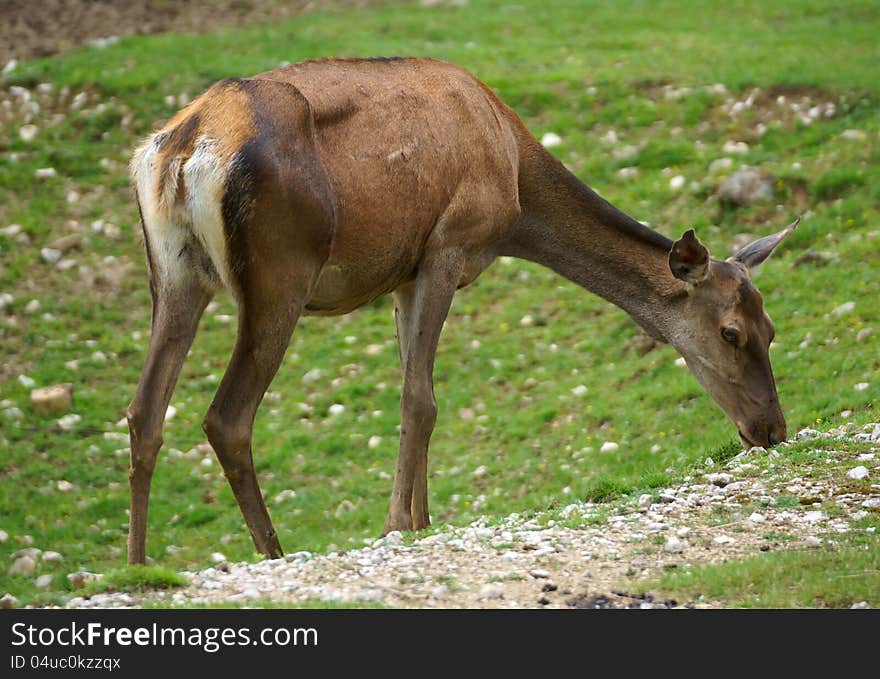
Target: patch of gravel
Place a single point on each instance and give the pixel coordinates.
(523, 562)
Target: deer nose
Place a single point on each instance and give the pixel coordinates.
(773, 438)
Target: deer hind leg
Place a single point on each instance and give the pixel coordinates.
(177, 307)
(421, 308)
(264, 332)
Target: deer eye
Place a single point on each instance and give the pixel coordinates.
(730, 335)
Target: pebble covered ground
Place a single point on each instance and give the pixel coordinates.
(577, 559)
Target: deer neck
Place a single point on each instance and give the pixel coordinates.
(569, 228)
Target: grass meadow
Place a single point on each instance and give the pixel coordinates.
(666, 87)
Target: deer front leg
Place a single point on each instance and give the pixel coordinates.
(422, 307)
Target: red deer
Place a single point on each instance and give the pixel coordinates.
(318, 187)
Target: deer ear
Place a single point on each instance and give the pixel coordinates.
(689, 259)
(757, 251)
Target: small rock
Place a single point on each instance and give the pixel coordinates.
(54, 400)
(853, 135)
(26, 382)
(746, 186)
(549, 587)
(52, 557)
(539, 574)
(80, 579)
(677, 182)
(312, 376)
(218, 557)
(861, 386)
(7, 601)
(719, 479)
(812, 542)
(858, 473)
(814, 516)
(723, 540)
(374, 442)
(343, 508)
(864, 334)
(860, 605)
(755, 517)
(373, 350)
(543, 601)
(674, 545)
(645, 501)
(579, 391)
(27, 132)
(720, 165)
(45, 173)
(738, 147)
(50, 255)
(285, 495)
(491, 591)
(68, 422)
(64, 486)
(23, 565)
(4, 536)
(844, 308)
(608, 447)
(805, 434)
(66, 243)
(550, 139)
(44, 581)
(336, 409)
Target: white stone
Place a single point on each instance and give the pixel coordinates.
(285, 495)
(675, 545)
(68, 422)
(853, 135)
(27, 132)
(738, 147)
(814, 516)
(50, 255)
(609, 446)
(812, 542)
(723, 540)
(170, 412)
(373, 349)
(645, 501)
(527, 321)
(218, 557)
(579, 390)
(64, 486)
(755, 517)
(312, 376)
(336, 409)
(51, 557)
(23, 565)
(857, 473)
(45, 173)
(550, 139)
(720, 165)
(44, 581)
(861, 386)
(491, 591)
(677, 182)
(374, 442)
(844, 308)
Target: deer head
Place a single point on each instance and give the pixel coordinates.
(725, 335)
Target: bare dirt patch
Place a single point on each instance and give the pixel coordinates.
(38, 29)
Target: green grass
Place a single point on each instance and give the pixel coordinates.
(576, 68)
(818, 578)
(135, 579)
